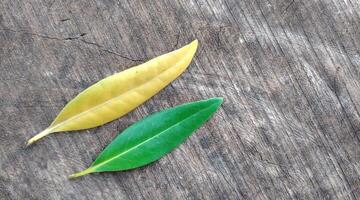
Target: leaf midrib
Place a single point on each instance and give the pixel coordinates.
(112, 99)
(145, 141)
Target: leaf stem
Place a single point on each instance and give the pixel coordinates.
(82, 173)
(38, 136)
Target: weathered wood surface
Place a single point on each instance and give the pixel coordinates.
(289, 71)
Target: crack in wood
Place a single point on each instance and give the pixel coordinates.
(78, 37)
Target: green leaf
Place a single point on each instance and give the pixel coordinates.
(153, 137)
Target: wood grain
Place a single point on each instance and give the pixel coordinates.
(289, 71)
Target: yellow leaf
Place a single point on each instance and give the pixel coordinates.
(120, 93)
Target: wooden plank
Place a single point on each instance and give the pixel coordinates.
(288, 70)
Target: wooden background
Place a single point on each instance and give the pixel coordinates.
(288, 69)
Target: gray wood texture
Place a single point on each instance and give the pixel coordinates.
(289, 71)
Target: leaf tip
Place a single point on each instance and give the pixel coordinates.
(217, 100)
(194, 44)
